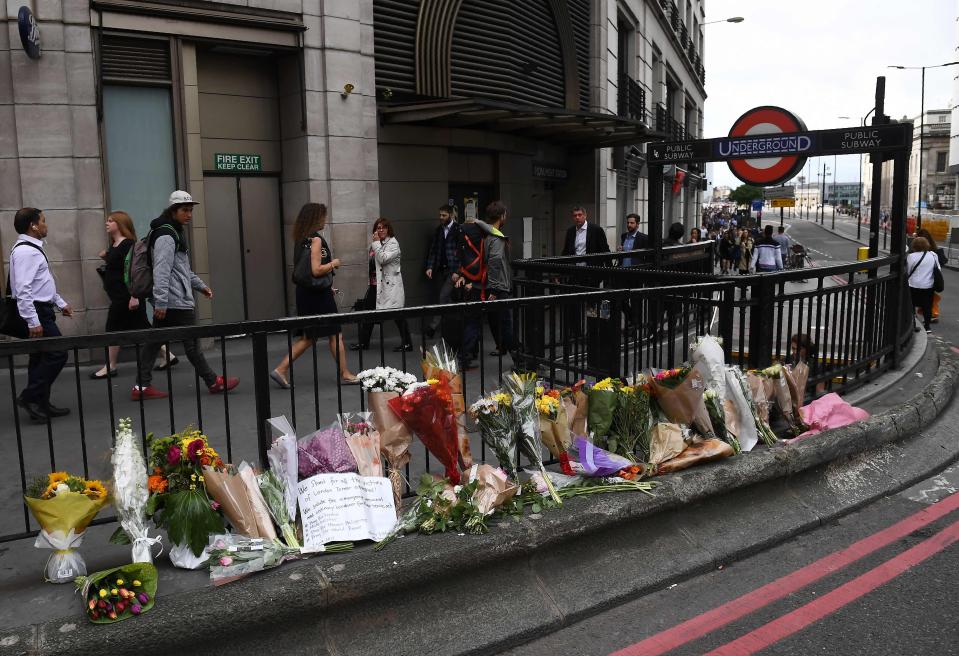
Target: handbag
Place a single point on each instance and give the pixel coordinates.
(938, 282)
(303, 272)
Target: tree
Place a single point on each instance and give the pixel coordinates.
(745, 194)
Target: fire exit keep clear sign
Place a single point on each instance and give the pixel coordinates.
(236, 162)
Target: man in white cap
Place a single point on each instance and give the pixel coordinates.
(173, 303)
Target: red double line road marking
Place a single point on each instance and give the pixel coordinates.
(829, 603)
(731, 611)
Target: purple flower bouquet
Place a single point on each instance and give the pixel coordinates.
(325, 452)
(596, 462)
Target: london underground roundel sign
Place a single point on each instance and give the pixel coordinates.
(773, 170)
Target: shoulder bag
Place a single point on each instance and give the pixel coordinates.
(303, 271)
(11, 323)
(938, 283)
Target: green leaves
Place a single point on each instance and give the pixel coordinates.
(119, 536)
(189, 519)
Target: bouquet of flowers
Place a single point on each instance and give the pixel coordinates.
(64, 505)
(130, 494)
(577, 407)
(178, 499)
(717, 416)
(522, 391)
(494, 416)
(754, 391)
(707, 357)
(440, 507)
(698, 452)
(796, 377)
(364, 442)
(427, 410)
(554, 425)
(778, 376)
(281, 479)
(325, 452)
(738, 410)
(238, 493)
(493, 488)
(603, 402)
(441, 359)
(119, 593)
(595, 462)
(631, 420)
(665, 443)
(381, 385)
(679, 393)
(232, 556)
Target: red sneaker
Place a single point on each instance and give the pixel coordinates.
(146, 393)
(223, 385)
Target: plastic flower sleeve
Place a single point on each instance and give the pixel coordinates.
(282, 456)
(522, 389)
(63, 520)
(395, 440)
(130, 492)
(325, 452)
(363, 441)
(443, 359)
(427, 410)
(493, 488)
(273, 490)
(596, 462)
(683, 403)
(736, 403)
(709, 360)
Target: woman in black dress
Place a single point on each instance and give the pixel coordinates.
(126, 312)
(308, 242)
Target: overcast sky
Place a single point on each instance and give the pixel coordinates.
(820, 59)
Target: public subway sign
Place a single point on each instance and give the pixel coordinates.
(237, 162)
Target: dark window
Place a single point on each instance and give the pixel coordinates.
(941, 162)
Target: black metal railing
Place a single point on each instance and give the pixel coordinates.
(667, 125)
(631, 98)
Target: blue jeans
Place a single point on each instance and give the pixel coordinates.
(43, 368)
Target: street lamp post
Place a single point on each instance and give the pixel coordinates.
(822, 199)
(835, 182)
(734, 19)
(922, 131)
(859, 209)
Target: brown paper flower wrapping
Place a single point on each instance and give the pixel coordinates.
(696, 453)
(763, 394)
(366, 451)
(459, 408)
(395, 440)
(245, 509)
(577, 409)
(683, 404)
(796, 378)
(493, 489)
(555, 432)
(665, 442)
(732, 417)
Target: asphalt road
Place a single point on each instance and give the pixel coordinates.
(881, 581)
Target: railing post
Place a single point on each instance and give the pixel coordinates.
(604, 336)
(261, 394)
(895, 289)
(726, 318)
(761, 327)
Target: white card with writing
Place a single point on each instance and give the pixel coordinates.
(345, 508)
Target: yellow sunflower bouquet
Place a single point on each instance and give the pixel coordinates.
(64, 505)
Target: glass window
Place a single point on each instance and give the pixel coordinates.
(141, 167)
(941, 162)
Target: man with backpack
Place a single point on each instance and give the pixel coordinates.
(173, 283)
(489, 277)
(37, 300)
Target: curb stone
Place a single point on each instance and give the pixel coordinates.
(529, 577)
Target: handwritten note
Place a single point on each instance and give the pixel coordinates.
(345, 508)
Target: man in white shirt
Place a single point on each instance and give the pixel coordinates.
(37, 299)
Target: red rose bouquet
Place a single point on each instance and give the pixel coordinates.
(427, 410)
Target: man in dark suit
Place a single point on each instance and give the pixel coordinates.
(583, 238)
(632, 239)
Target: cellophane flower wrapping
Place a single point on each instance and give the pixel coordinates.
(284, 463)
(796, 377)
(325, 452)
(632, 420)
(395, 439)
(717, 416)
(117, 594)
(595, 462)
(273, 489)
(494, 416)
(130, 492)
(679, 394)
(239, 496)
(522, 391)
(64, 505)
(232, 556)
(364, 442)
(740, 415)
(604, 400)
(441, 358)
(778, 377)
(754, 389)
(708, 358)
(554, 425)
(493, 488)
(427, 410)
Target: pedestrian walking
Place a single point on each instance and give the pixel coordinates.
(584, 238)
(314, 298)
(695, 236)
(32, 285)
(632, 239)
(727, 245)
(785, 243)
(767, 255)
(442, 261)
(173, 303)
(921, 266)
(126, 312)
(943, 260)
(746, 244)
(386, 284)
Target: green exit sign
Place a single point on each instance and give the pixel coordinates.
(237, 162)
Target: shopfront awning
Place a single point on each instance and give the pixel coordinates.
(557, 125)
